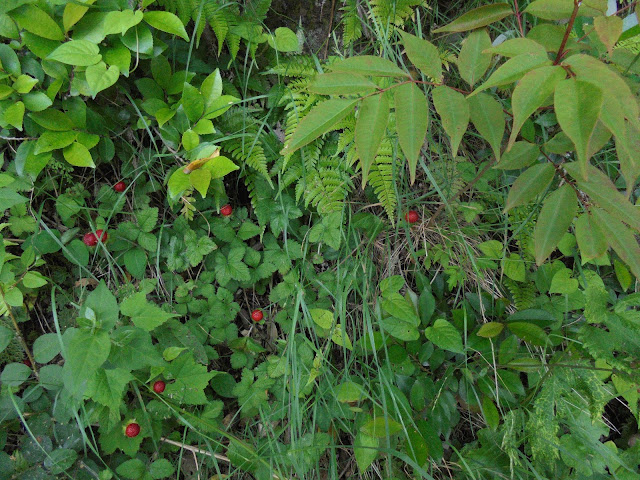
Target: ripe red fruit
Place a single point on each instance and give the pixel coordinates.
(257, 315)
(412, 216)
(120, 187)
(101, 235)
(132, 430)
(27, 362)
(159, 386)
(90, 239)
(226, 211)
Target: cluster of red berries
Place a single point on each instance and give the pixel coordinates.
(91, 239)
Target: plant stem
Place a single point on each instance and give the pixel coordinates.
(19, 334)
(574, 14)
(518, 17)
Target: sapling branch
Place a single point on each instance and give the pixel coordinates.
(574, 14)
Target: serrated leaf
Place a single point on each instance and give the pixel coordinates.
(454, 113)
(591, 241)
(370, 128)
(555, 218)
(424, 55)
(144, 314)
(412, 122)
(167, 22)
(478, 17)
(77, 52)
(341, 84)
(444, 335)
(472, 61)
(529, 184)
(604, 193)
(530, 93)
(513, 70)
(318, 122)
(368, 65)
(135, 260)
(577, 106)
(620, 238)
(487, 117)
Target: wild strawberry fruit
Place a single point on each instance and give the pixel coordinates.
(159, 386)
(120, 187)
(132, 430)
(226, 211)
(101, 235)
(90, 239)
(412, 216)
(257, 315)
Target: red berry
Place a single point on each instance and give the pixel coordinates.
(101, 235)
(226, 211)
(132, 430)
(412, 216)
(159, 386)
(257, 315)
(27, 362)
(120, 187)
(90, 239)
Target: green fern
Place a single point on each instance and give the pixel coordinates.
(394, 12)
(351, 23)
(523, 294)
(381, 178)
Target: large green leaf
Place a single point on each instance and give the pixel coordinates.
(609, 30)
(532, 91)
(517, 46)
(77, 52)
(487, 117)
(454, 113)
(513, 70)
(370, 129)
(521, 155)
(555, 218)
(318, 122)
(562, 9)
(78, 155)
(412, 122)
(85, 353)
(473, 62)
(341, 84)
(38, 22)
(591, 241)
(529, 184)
(444, 335)
(167, 22)
(100, 78)
(620, 238)
(577, 105)
(604, 193)
(365, 450)
(424, 55)
(368, 65)
(478, 17)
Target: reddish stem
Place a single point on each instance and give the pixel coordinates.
(518, 17)
(574, 14)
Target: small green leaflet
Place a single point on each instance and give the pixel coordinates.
(444, 335)
(144, 314)
(412, 122)
(99, 78)
(529, 184)
(487, 117)
(284, 40)
(318, 122)
(513, 70)
(521, 155)
(555, 218)
(424, 55)
(77, 52)
(620, 238)
(473, 62)
(591, 241)
(577, 106)
(341, 84)
(371, 125)
(167, 22)
(530, 94)
(78, 155)
(478, 17)
(454, 112)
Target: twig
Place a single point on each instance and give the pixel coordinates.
(19, 333)
(518, 17)
(574, 14)
(326, 45)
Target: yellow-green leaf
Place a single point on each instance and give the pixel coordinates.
(591, 241)
(531, 93)
(472, 61)
(609, 30)
(521, 155)
(513, 70)
(78, 155)
(167, 22)
(454, 113)
(620, 238)
(368, 65)
(478, 17)
(529, 184)
(490, 329)
(341, 84)
(412, 122)
(370, 129)
(487, 116)
(555, 218)
(424, 55)
(577, 105)
(38, 22)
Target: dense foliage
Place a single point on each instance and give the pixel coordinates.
(226, 255)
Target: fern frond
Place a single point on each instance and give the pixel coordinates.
(390, 12)
(351, 23)
(295, 66)
(523, 294)
(381, 177)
